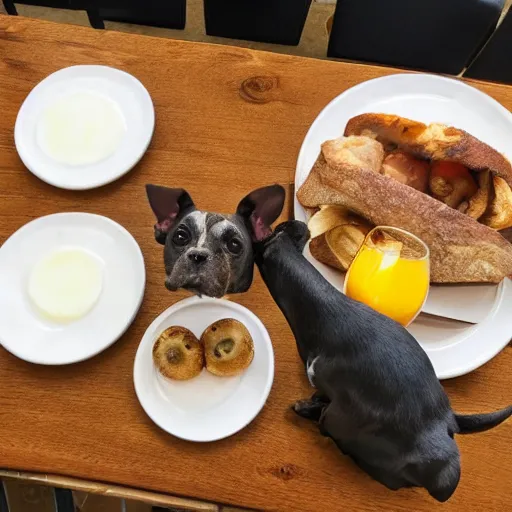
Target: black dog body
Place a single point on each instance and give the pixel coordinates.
(377, 393)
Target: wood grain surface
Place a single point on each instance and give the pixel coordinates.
(227, 120)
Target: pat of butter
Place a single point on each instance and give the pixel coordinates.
(65, 285)
(81, 129)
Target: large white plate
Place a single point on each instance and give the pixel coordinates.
(27, 335)
(130, 96)
(453, 347)
(206, 408)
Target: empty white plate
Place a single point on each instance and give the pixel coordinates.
(32, 336)
(205, 408)
(454, 347)
(84, 126)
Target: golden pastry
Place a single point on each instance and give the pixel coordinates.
(228, 347)
(178, 354)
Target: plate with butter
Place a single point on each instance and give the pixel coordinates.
(84, 126)
(70, 286)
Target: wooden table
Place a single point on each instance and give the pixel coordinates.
(228, 120)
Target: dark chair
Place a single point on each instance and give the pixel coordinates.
(268, 21)
(61, 4)
(157, 13)
(94, 19)
(433, 35)
(495, 62)
(64, 501)
(3, 500)
(11, 8)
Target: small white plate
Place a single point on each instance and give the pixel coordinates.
(130, 98)
(455, 348)
(206, 408)
(26, 334)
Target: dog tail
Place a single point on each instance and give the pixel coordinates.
(468, 424)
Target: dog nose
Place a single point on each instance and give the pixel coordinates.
(197, 257)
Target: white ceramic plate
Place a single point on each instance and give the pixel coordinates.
(131, 100)
(26, 334)
(455, 348)
(206, 408)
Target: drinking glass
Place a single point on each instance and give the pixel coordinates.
(390, 273)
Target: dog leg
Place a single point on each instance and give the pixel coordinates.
(318, 396)
(383, 476)
(321, 424)
(312, 408)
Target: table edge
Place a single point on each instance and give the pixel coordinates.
(116, 491)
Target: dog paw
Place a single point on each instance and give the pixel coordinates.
(308, 409)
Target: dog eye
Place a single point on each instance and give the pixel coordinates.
(181, 237)
(234, 246)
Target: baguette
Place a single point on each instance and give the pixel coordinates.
(438, 142)
(347, 174)
(432, 142)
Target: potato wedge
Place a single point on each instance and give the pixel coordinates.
(345, 241)
(327, 218)
(451, 183)
(330, 217)
(478, 203)
(499, 214)
(321, 251)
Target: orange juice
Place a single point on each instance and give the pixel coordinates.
(392, 285)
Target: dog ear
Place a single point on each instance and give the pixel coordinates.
(167, 204)
(260, 209)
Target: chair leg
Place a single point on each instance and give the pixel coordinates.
(10, 7)
(95, 19)
(64, 500)
(3, 500)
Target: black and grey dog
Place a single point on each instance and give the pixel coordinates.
(206, 253)
(377, 395)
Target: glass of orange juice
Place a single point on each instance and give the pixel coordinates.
(390, 273)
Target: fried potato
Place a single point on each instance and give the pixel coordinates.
(499, 214)
(451, 183)
(327, 218)
(345, 241)
(478, 203)
(320, 250)
(336, 235)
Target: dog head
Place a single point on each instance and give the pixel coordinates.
(211, 253)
